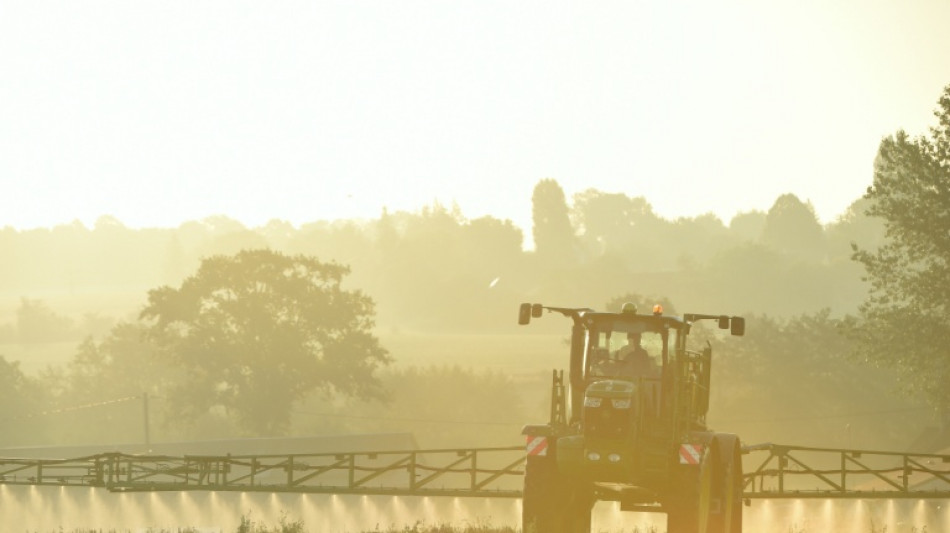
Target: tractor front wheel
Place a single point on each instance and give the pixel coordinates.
(553, 503)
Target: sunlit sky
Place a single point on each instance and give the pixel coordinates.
(159, 112)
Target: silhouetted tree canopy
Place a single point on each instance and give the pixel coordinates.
(36, 322)
(792, 380)
(748, 225)
(608, 222)
(903, 323)
(431, 273)
(792, 227)
(21, 399)
(258, 330)
(552, 231)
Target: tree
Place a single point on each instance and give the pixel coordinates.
(553, 233)
(903, 322)
(792, 227)
(98, 395)
(792, 380)
(256, 331)
(622, 230)
(608, 221)
(747, 226)
(21, 400)
(37, 323)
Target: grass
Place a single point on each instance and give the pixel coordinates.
(285, 526)
(421, 527)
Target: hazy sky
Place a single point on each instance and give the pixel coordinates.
(158, 112)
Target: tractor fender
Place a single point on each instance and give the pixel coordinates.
(700, 437)
(539, 430)
(727, 444)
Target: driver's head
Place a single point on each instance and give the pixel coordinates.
(633, 338)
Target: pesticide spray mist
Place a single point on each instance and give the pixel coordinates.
(48, 508)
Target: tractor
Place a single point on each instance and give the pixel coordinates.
(629, 426)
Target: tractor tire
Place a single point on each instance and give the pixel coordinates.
(580, 503)
(691, 505)
(727, 517)
(541, 500)
(552, 503)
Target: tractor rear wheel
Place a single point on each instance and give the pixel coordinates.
(728, 516)
(690, 507)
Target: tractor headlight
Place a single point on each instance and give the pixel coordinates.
(593, 456)
(614, 458)
(622, 403)
(592, 402)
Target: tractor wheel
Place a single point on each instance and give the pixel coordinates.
(552, 503)
(579, 506)
(542, 504)
(690, 507)
(728, 518)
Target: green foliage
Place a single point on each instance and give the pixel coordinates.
(285, 526)
(793, 380)
(21, 399)
(36, 322)
(903, 322)
(430, 273)
(100, 391)
(259, 330)
(415, 264)
(609, 223)
(552, 231)
(791, 226)
(437, 265)
(422, 527)
(747, 226)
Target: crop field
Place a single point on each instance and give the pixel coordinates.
(65, 510)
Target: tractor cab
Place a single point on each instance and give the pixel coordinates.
(629, 346)
(626, 358)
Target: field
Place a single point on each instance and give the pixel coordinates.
(84, 510)
(248, 526)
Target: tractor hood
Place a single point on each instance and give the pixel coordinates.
(611, 388)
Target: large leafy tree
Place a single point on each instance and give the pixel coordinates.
(905, 321)
(257, 331)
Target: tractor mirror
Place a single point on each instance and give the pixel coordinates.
(537, 310)
(524, 314)
(723, 322)
(738, 326)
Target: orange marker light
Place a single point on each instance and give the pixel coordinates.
(657, 309)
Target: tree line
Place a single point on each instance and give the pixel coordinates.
(295, 310)
(416, 265)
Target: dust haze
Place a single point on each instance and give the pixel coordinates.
(446, 290)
